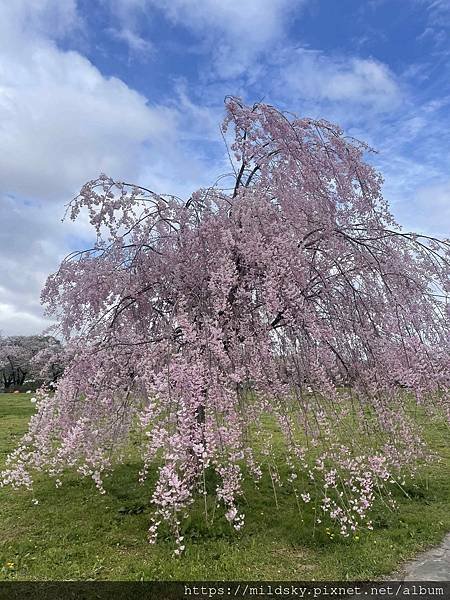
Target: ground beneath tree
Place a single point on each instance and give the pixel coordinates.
(432, 565)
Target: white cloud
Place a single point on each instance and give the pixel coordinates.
(438, 10)
(254, 22)
(437, 24)
(312, 75)
(422, 208)
(32, 242)
(432, 208)
(62, 122)
(413, 159)
(35, 18)
(18, 322)
(138, 46)
(236, 33)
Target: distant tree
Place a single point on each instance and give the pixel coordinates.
(296, 281)
(11, 364)
(17, 354)
(50, 361)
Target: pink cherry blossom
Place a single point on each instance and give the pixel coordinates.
(292, 296)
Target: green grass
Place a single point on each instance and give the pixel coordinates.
(75, 533)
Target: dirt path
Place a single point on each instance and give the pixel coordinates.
(432, 565)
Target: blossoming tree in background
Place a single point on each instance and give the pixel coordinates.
(20, 362)
(49, 362)
(293, 294)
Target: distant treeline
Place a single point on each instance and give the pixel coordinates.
(29, 361)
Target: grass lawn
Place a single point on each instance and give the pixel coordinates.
(75, 533)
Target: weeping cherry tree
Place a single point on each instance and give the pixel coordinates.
(291, 297)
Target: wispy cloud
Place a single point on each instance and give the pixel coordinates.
(36, 18)
(138, 46)
(62, 123)
(437, 27)
(314, 75)
(236, 33)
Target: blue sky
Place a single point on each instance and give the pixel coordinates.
(135, 88)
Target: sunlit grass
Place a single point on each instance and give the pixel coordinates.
(75, 533)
